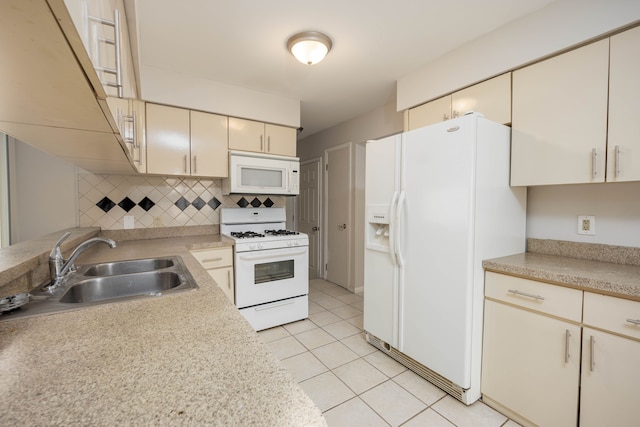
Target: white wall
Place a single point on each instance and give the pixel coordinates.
(552, 212)
(378, 123)
(556, 27)
(43, 193)
(167, 87)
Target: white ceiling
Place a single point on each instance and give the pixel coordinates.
(375, 42)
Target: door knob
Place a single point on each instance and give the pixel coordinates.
(342, 227)
(315, 228)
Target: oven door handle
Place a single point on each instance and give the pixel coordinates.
(271, 255)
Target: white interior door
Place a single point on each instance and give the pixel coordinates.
(338, 218)
(309, 213)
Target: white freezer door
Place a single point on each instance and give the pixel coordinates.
(382, 184)
(436, 244)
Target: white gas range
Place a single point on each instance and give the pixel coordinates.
(271, 266)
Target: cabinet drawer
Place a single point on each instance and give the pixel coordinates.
(612, 314)
(543, 297)
(214, 258)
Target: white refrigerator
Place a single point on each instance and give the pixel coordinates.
(438, 202)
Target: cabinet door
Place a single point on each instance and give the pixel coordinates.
(246, 135)
(530, 366)
(224, 279)
(610, 378)
(280, 140)
(623, 159)
(167, 140)
(492, 98)
(209, 151)
(432, 112)
(559, 118)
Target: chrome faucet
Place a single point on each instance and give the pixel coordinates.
(59, 267)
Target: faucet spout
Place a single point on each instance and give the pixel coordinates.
(59, 268)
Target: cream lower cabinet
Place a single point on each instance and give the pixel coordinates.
(610, 370)
(531, 361)
(492, 98)
(249, 135)
(219, 265)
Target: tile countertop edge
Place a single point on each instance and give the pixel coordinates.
(619, 280)
(187, 358)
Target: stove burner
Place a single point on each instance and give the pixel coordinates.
(245, 234)
(281, 232)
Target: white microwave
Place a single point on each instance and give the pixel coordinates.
(256, 173)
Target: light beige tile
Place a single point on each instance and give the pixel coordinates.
(334, 354)
(286, 347)
(392, 402)
(314, 338)
(272, 334)
(304, 366)
(384, 363)
(341, 329)
(337, 291)
(326, 390)
(359, 375)
(428, 418)
(314, 308)
(358, 305)
(350, 298)
(353, 413)
(476, 415)
(419, 387)
(357, 322)
(346, 311)
(511, 423)
(359, 345)
(323, 317)
(328, 302)
(299, 326)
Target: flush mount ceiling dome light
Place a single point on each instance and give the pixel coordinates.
(309, 47)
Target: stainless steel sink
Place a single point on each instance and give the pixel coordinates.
(126, 267)
(102, 283)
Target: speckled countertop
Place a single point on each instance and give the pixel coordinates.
(182, 359)
(606, 277)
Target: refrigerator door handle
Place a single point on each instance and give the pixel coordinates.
(392, 227)
(399, 209)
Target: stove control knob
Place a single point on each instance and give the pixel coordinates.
(260, 246)
(295, 243)
(252, 246)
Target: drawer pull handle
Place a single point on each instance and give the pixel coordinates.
(524, 294)
(634, 321)
(567, 337)
(212, 259)
(592, 349)
(274, 305)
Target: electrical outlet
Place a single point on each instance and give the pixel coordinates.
(129, 222)
(157, 221)
(587, 225)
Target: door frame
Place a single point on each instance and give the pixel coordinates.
(325, 204)
(321, 240)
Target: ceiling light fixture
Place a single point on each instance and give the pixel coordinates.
(309, 47)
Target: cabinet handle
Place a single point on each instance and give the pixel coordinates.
(195, 164)
(524, 294)
(269, 144)
(229, 279)
(567, 337)
(185, 163)
(592, 350)
(634, 321)
(594, 163)
(617, 161)
(455, 114)
(212, 259)
(261, 143)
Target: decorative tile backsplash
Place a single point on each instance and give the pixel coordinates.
(154, 201)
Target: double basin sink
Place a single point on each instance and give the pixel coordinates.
(101, 283)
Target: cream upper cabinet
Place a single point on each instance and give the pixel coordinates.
(432, 112)
(610, 371)
(559, 118)
(209, 155)
(185, 142)
(531, 361)
(491, 98)
(623, 148)
(249, 135)
(129, 115)
(168, 141)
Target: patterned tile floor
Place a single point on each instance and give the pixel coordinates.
(352, 382)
